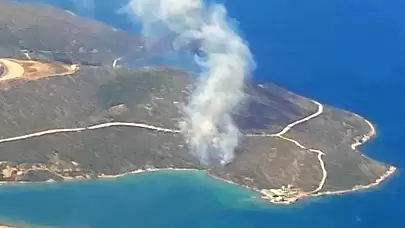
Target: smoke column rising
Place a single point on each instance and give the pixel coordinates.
(207, 125)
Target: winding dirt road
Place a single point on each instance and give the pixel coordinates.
(173, 131)
(291, 125)
(93, 127)
(320, 154)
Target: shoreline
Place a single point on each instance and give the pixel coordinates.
(262, 193)
(295, 195)
(357, 188)
(366, 137)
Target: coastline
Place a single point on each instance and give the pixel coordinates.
(266, 194)
(263, 192)
(366, 137)
(378, 181)
(354, 146)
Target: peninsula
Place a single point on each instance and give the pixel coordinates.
(70, 111)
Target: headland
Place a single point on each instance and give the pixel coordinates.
(90, 119)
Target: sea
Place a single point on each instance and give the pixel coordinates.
(345, 53)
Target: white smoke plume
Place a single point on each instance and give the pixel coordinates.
(207, 125)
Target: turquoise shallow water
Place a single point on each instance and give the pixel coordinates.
(140, 200)
(350, 54)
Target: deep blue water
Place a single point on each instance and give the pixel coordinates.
(347, 53)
